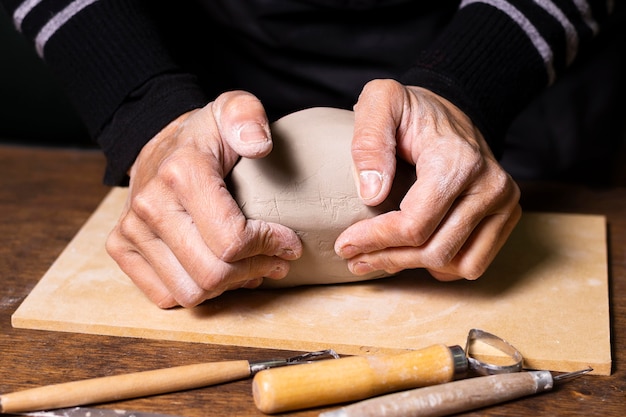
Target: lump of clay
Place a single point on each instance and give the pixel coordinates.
(307, 184)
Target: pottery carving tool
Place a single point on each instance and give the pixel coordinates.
(142, 384)
(92, 412)
(358, 377)
(455, 397)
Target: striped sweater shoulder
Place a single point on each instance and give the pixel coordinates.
(575, 20)
(39, 20)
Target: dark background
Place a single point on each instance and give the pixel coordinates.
(576, 132)
(33, 107)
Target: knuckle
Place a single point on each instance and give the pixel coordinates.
(512, 190)
(214, 279)
(114, 245)
(223, 104)
(503, 190)
(229, 100)
(376, 93)
(389, 266)
(144, 208)
(225, 276)
(383, 86)
(208, 285)
(370, 140)
(472, 161)
(453, 271)
(413, 233)
(189, 299)
(502, 183)
(472, 271)
(471, 267)
(173, 171)
(165, 302)
(248, 237)
(266, 237)
(231, 249)
(126, 230)
(437, 257)
(230, 106)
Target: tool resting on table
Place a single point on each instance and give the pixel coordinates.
(142, 384)
(355, 378)
(455, 397)
(92, 412)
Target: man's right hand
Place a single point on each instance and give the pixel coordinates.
(181, 236)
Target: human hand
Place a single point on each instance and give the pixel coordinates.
(463, 205)
(181, 237)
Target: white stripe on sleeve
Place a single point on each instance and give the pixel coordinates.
(542, 47)
(23, 10)
(58, 21)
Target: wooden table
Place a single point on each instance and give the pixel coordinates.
(47, 194)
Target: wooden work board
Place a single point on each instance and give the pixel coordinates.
(546, 293)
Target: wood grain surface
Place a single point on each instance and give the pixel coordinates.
(47, 195)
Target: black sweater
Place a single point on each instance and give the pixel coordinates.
(132, 66)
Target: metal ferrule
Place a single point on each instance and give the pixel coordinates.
(459, 360)
(543, 379)
(258, 366)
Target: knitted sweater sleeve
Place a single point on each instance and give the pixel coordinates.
(110, 58)
(491, 60)
(495, 56)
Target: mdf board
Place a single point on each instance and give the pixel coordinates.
(546, 293)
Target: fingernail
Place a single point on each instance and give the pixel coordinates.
(371, 183)
(361, 268)
(253, 133)
(289, 254)
(347, 251)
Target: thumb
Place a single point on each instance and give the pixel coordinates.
(374, 140)
(243, 124)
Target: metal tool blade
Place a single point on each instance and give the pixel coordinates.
(91, 412)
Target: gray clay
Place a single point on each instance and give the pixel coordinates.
(307, 184)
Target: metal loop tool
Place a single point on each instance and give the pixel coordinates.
(494, 384)
(483, 368)
(358, 377)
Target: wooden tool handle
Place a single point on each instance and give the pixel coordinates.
(349, 379)
(118, 387)
(454, 397)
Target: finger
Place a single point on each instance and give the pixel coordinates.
(481, 248)
(469, 262)
(139, 271)
(195, 185)
(498, 195)
(396, 228)
(436, 252)
(377, 115)
(229, 234)
(185, 264)
(159, 272)
(151, 264)
(250, 284)
(242, 123)
(213, 274)
(496, 210)
(441, 180)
